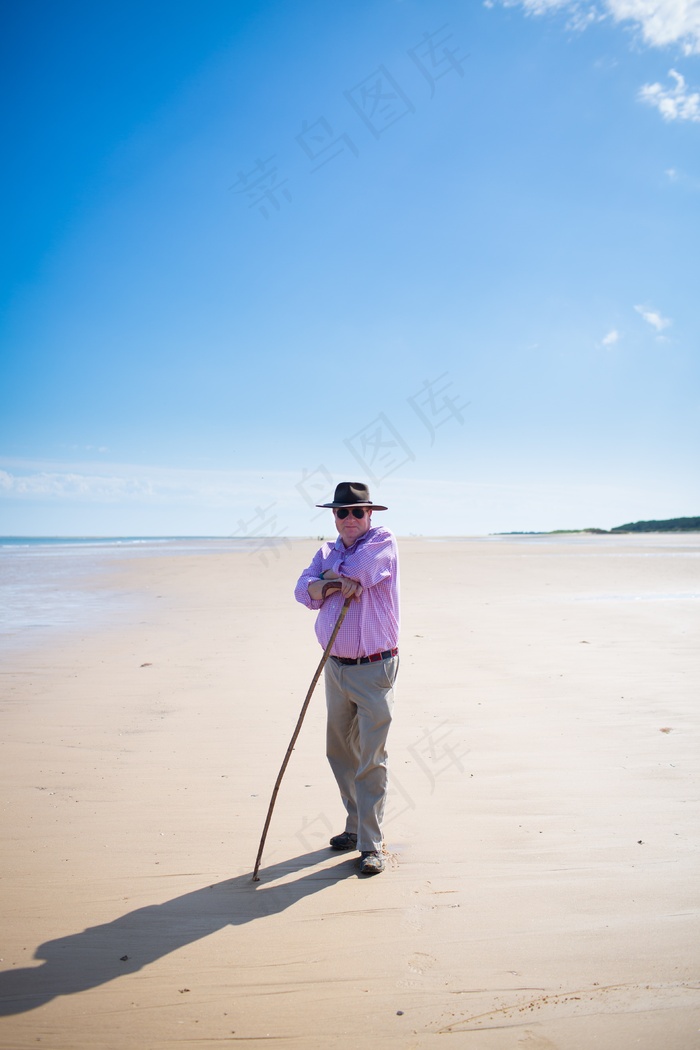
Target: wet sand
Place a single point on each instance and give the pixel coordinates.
(542, 828)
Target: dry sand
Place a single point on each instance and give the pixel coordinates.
(543, 826)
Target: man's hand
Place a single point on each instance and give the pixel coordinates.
(348, 588)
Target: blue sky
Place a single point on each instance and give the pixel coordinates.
(259, 248)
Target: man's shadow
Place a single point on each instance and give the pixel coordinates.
(99, 954)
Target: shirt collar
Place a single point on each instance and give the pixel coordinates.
(340, 546)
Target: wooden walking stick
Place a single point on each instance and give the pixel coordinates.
(326, 653)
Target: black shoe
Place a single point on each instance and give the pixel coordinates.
(345, 841)
(372, 862)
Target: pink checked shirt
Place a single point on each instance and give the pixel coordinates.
(371, 624)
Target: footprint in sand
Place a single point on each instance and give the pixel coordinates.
(419, 962)
(531, 1041)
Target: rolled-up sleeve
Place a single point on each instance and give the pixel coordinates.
(372, 622)
(301, 591)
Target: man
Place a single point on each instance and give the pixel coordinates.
(362, 668)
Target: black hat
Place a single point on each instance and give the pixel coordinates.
(351, 494)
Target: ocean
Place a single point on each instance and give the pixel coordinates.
(46, 583)
(44, 580)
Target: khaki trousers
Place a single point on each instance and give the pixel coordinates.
(359, 700)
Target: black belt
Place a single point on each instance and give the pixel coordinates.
(373, 659)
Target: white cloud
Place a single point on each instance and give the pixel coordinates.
(48, 485)
(233, 502)
(540, 7)
(660, 22)
(88, 448)
(611, 338)
(580, 13)
(675, 103)
(131, 483)
(681, 178)
(654, 318)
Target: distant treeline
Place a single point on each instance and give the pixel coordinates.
(669, 525)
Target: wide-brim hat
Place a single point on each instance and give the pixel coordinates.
(352, 494)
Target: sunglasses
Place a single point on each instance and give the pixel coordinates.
(357, 512)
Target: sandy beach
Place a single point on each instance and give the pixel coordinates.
(543, 822)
